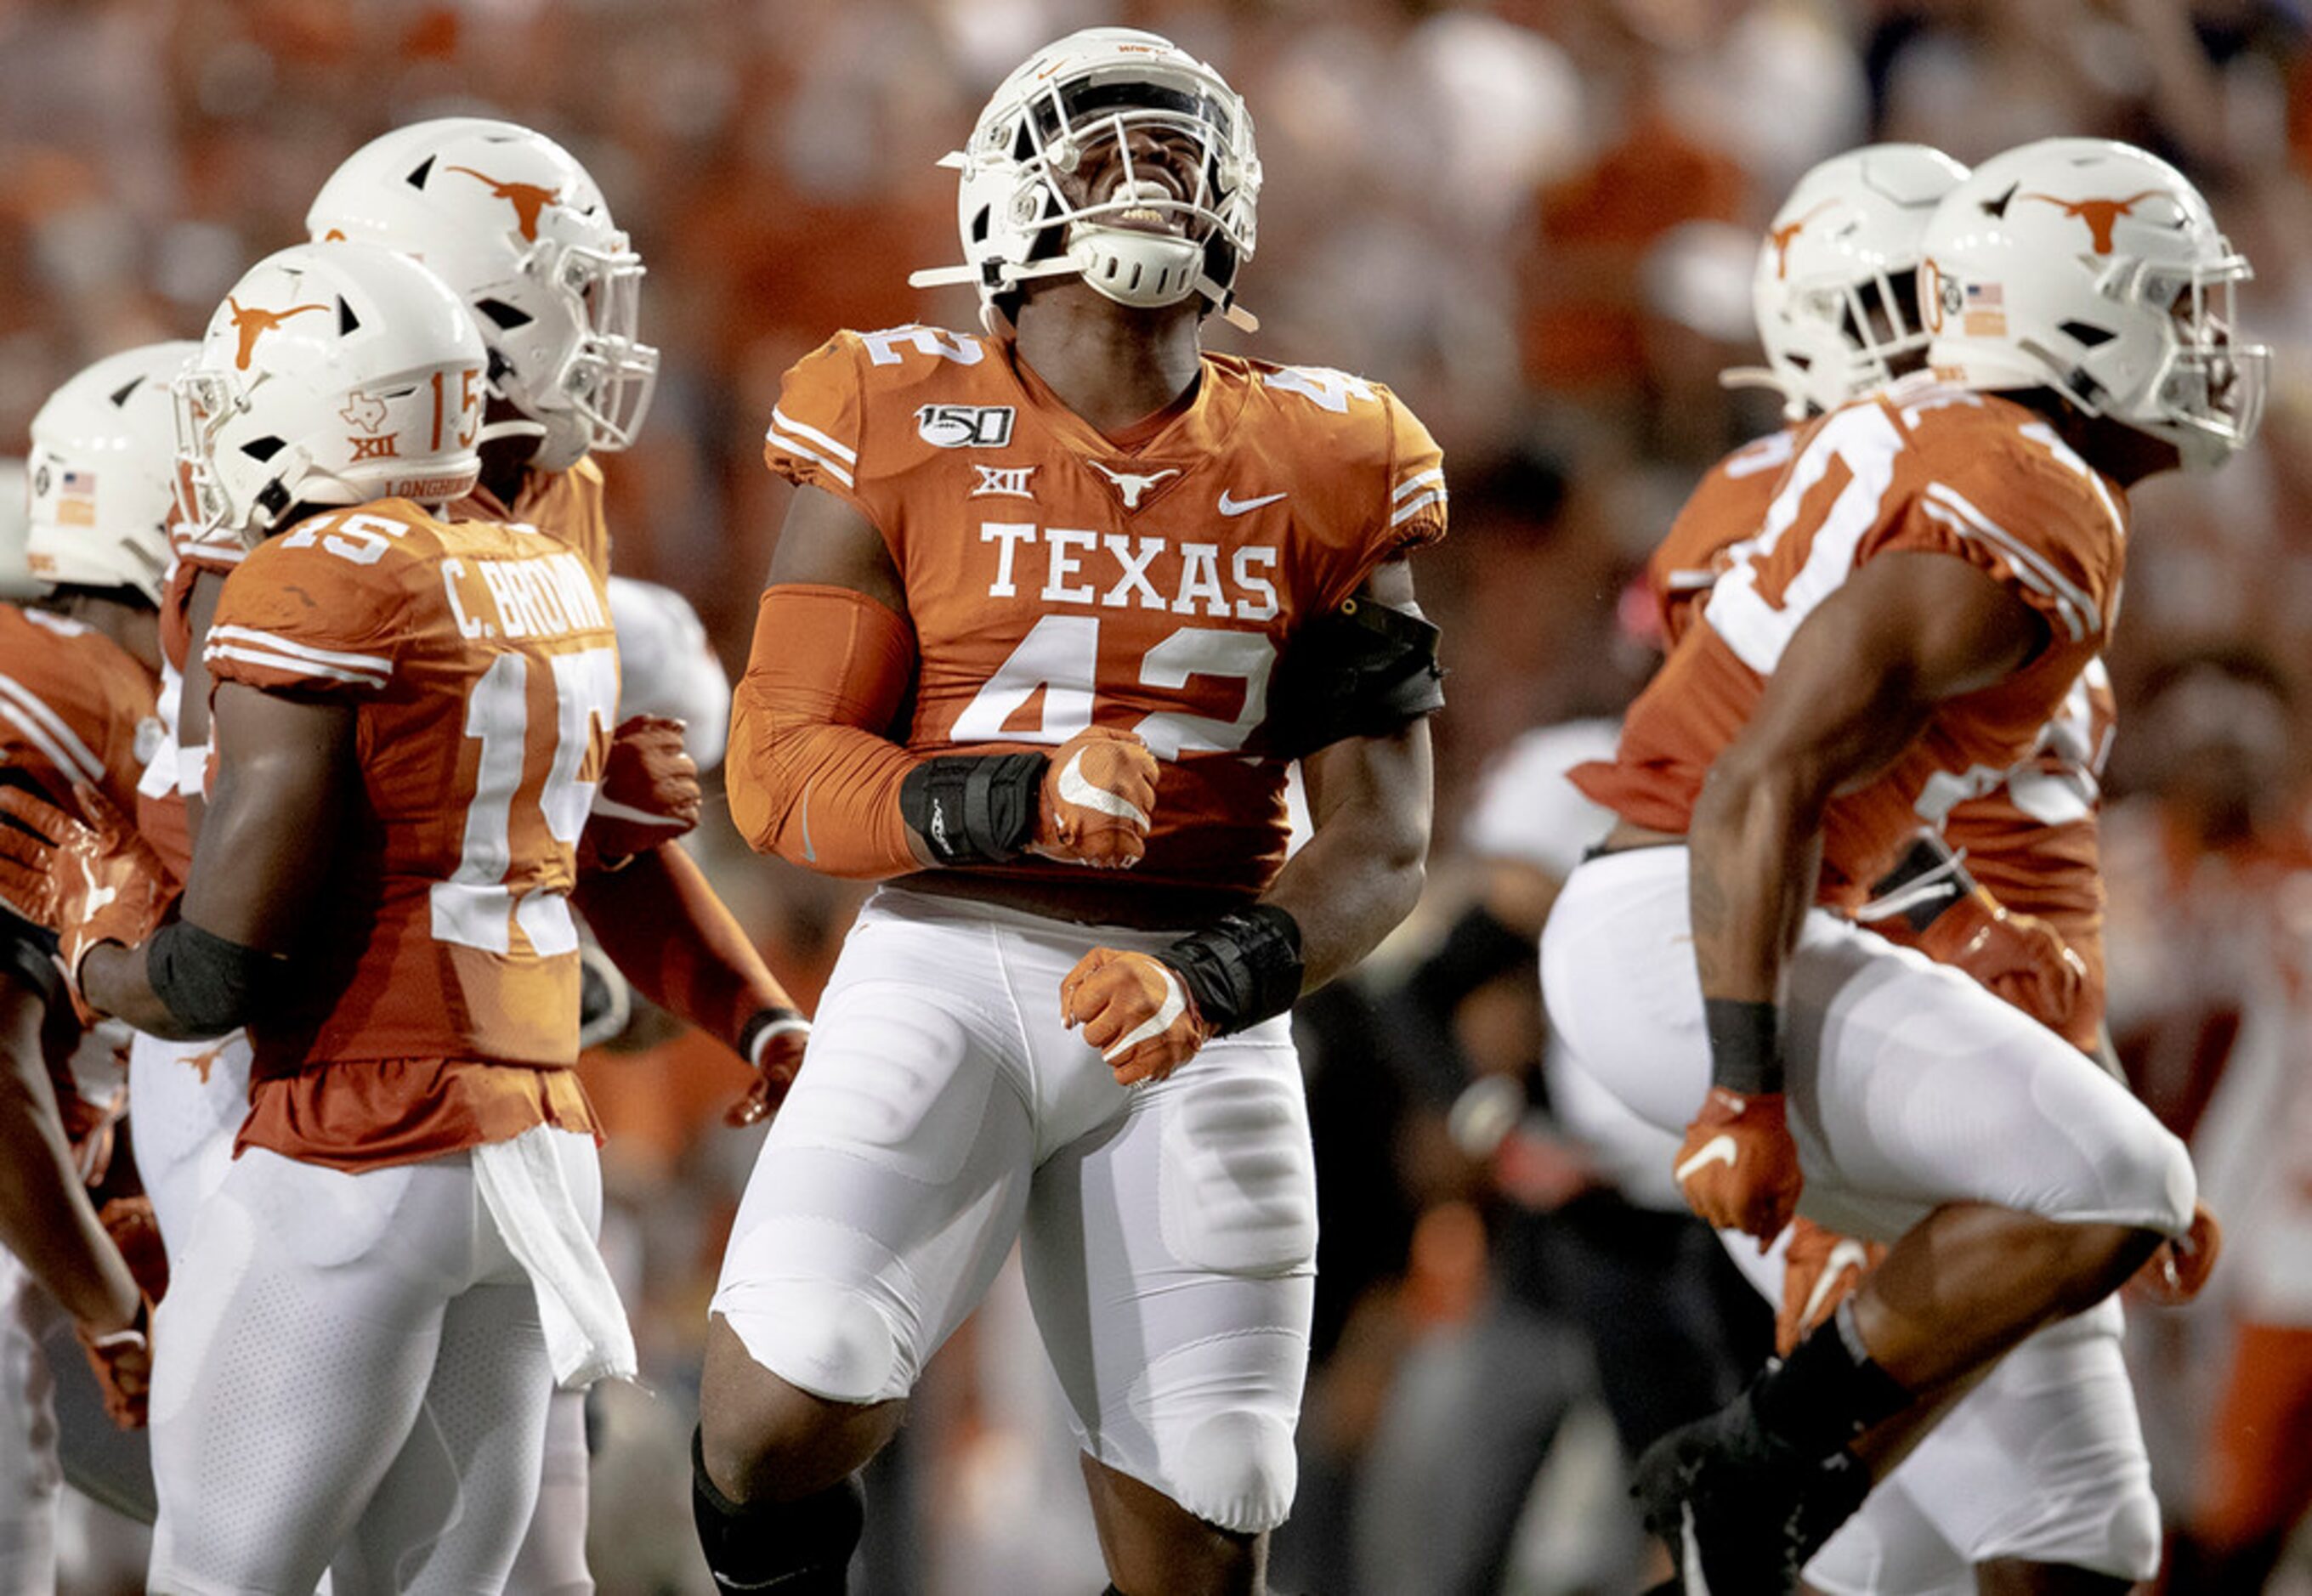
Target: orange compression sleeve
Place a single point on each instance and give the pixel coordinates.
(662, 925)
(811, 774)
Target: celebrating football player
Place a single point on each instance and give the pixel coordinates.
(411, 716)
(77, 677)
(1937, 568)
(2044, 1463)
(1052, 612)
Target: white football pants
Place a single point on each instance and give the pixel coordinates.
(1168, 1232)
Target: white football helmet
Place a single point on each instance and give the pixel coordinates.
(1834, 292)
(15, 578)
(2095, 269)
(332, 374)
(103, 473)
(511, 221)
(1140, 242)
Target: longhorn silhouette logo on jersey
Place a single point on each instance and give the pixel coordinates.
(1132, 486)
(2101, 215)
(1782, 237)
(254, 323)
(528, 199)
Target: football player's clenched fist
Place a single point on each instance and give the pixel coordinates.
(1136, 1010)
(88, 881)
(2019, 957)
(1096, 802)
(1737, 1167)
(649, 793)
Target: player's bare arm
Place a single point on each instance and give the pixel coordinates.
(193, 704)
(46, 1217)
(262, 863)
(1369, 797)
(1857, 683)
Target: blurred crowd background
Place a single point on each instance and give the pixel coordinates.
(1535, 220)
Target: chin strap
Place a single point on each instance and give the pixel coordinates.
(1010, 275)
(513, 427)
(1738, 377)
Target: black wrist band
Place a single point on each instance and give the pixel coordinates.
(1743, 1055)
(759, 1021)
(974, 808)
(1242, 968)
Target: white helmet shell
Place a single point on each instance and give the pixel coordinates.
(511, 222)
(332, 374)
(667, 666)
(1834, 287)
(103, 473)
(2095, 269)
(15, 580)
(1141, 241)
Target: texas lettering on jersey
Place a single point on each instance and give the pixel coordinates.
(1056, 577)
(483, 668)
(1918, 466)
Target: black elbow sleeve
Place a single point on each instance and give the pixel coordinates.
(1367, 669)
(211, 985)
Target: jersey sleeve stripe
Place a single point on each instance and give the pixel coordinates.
(838, 472)
(48, 732)
(1411, 508)
(1422, 479)
(289, 665)
(376, 663)
(2081, 613)
(779, 418)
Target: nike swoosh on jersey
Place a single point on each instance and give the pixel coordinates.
(1074, 788)
(1848, 1254)
(1717, 1149)
(1232, 506)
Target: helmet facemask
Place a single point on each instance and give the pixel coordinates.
(571, 360)
(1115, 157)
(2206, 396)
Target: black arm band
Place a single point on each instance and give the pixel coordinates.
(1242, 968)
(1743, 1054)
(208, 983)
(974, 808)
(1365, 670)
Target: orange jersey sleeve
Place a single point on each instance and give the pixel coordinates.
(1727, 506)
(1057, 577)
(1918, 468)
(482, 665)
(74, 707)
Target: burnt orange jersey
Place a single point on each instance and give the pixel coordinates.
(1918, 466)
(1728, 505)
(566, 505)
(75, 707)
(1057, 577)
(482, 663)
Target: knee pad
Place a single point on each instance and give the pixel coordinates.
(1237, 1470)
(2132, 1536)
(798, 1549)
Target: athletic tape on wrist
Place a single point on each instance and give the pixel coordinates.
(1241, 968)
(974, 808)
(764, 1024)
(1745, 1056)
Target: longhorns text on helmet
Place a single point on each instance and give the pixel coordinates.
(1139, 243)
(517, 227)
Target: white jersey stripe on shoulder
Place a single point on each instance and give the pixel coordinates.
(779, 418)
(1434, 474)
(2081, 613)
(1407, 511)
(290, 664)
(78, 761)
(250, 634)
(839, 473)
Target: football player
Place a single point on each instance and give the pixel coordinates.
(411, 716)
(2045, 1464)
(1052, 611)
(77, 677)
(1937, 568)
(521, 233)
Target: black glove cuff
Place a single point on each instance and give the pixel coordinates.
(1743, 1058)
(974, 808)
(1242, 968)
(760, 1021)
